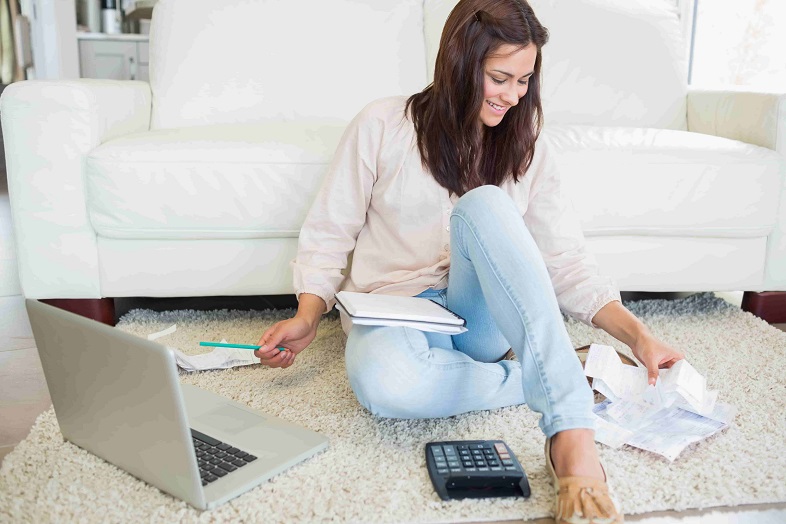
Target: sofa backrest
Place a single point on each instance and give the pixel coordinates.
(608, 62)
(222, 61)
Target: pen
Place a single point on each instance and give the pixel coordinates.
(239, 346)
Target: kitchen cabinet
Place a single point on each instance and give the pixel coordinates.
(117, 57)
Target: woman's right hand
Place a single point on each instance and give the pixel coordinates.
(293, 334)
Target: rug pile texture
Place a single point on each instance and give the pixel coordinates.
(374, 469)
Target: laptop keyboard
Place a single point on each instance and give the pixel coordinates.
(216, 458)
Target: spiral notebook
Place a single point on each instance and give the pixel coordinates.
(390, 310)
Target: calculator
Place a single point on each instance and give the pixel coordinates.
(462, 469)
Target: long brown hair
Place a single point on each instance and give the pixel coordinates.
(459, 153)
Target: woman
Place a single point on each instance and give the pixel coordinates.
(429, 192)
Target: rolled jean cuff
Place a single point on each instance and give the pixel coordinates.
(562, 424)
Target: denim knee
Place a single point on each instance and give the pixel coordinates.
(488, 197)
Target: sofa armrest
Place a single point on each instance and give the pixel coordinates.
(49, 127)
(739, 113)
(758, 118)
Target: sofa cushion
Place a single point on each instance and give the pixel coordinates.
(258, 181)
(226, 61)
(633, 181)
(607, 62)
(223, 181)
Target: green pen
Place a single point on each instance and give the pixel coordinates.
(238, 346)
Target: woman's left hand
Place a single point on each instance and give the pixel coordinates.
(655, 354)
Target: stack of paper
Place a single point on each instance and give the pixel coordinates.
(372, 309)
(219, 358)
(665, 418)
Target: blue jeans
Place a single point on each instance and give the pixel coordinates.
(499, 283)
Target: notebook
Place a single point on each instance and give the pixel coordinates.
(391, 310)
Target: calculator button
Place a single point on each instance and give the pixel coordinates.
(455, 470)
(464, 453)
(437, 452)
(462, 447)
(449, 450)
(454, 464)
(443, 471)
(493, 463)
(496, 468)
(504, 456)
(500, 447)
(483, 468)
(476, 446)
(507, 462)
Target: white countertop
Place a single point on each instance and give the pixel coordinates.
(119, 36)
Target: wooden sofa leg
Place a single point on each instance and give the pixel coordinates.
(100, 309)
(770, 306)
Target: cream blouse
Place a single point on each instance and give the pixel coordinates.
(378, 201)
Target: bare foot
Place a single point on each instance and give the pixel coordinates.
(574, 454)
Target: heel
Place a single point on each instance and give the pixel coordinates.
(581, 500)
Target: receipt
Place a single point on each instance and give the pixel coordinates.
(610, 434)
(665, 418)
(219, 358)
(622, 381)
(672, 430)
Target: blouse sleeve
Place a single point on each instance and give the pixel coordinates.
(580, 288)
(338, 213)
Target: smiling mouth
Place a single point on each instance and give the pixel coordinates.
(497, 108)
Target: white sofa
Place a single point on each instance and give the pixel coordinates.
(197, 183)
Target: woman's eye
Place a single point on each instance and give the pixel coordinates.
(498, 82)
(524, 83)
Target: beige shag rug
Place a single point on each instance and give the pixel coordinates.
(374, 469)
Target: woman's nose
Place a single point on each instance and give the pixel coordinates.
(510, 97)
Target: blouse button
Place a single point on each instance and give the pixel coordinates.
(447, 247)
(447, 228)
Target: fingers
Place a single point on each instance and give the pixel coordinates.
(652, 376)
(270, 341)
(272, 351)
(283, 359)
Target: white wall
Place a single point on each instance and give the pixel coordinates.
(53, 38)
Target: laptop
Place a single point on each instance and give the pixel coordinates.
(117, 396)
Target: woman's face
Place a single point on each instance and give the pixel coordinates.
(506, 75)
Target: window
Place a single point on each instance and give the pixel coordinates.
(740, 43)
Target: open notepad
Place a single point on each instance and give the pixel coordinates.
(388, 310)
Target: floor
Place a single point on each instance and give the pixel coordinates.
(24, 394)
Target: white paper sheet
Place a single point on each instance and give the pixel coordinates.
(610, 434)
(665, 418)
(219, 358)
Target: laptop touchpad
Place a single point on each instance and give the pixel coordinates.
(229, 418)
